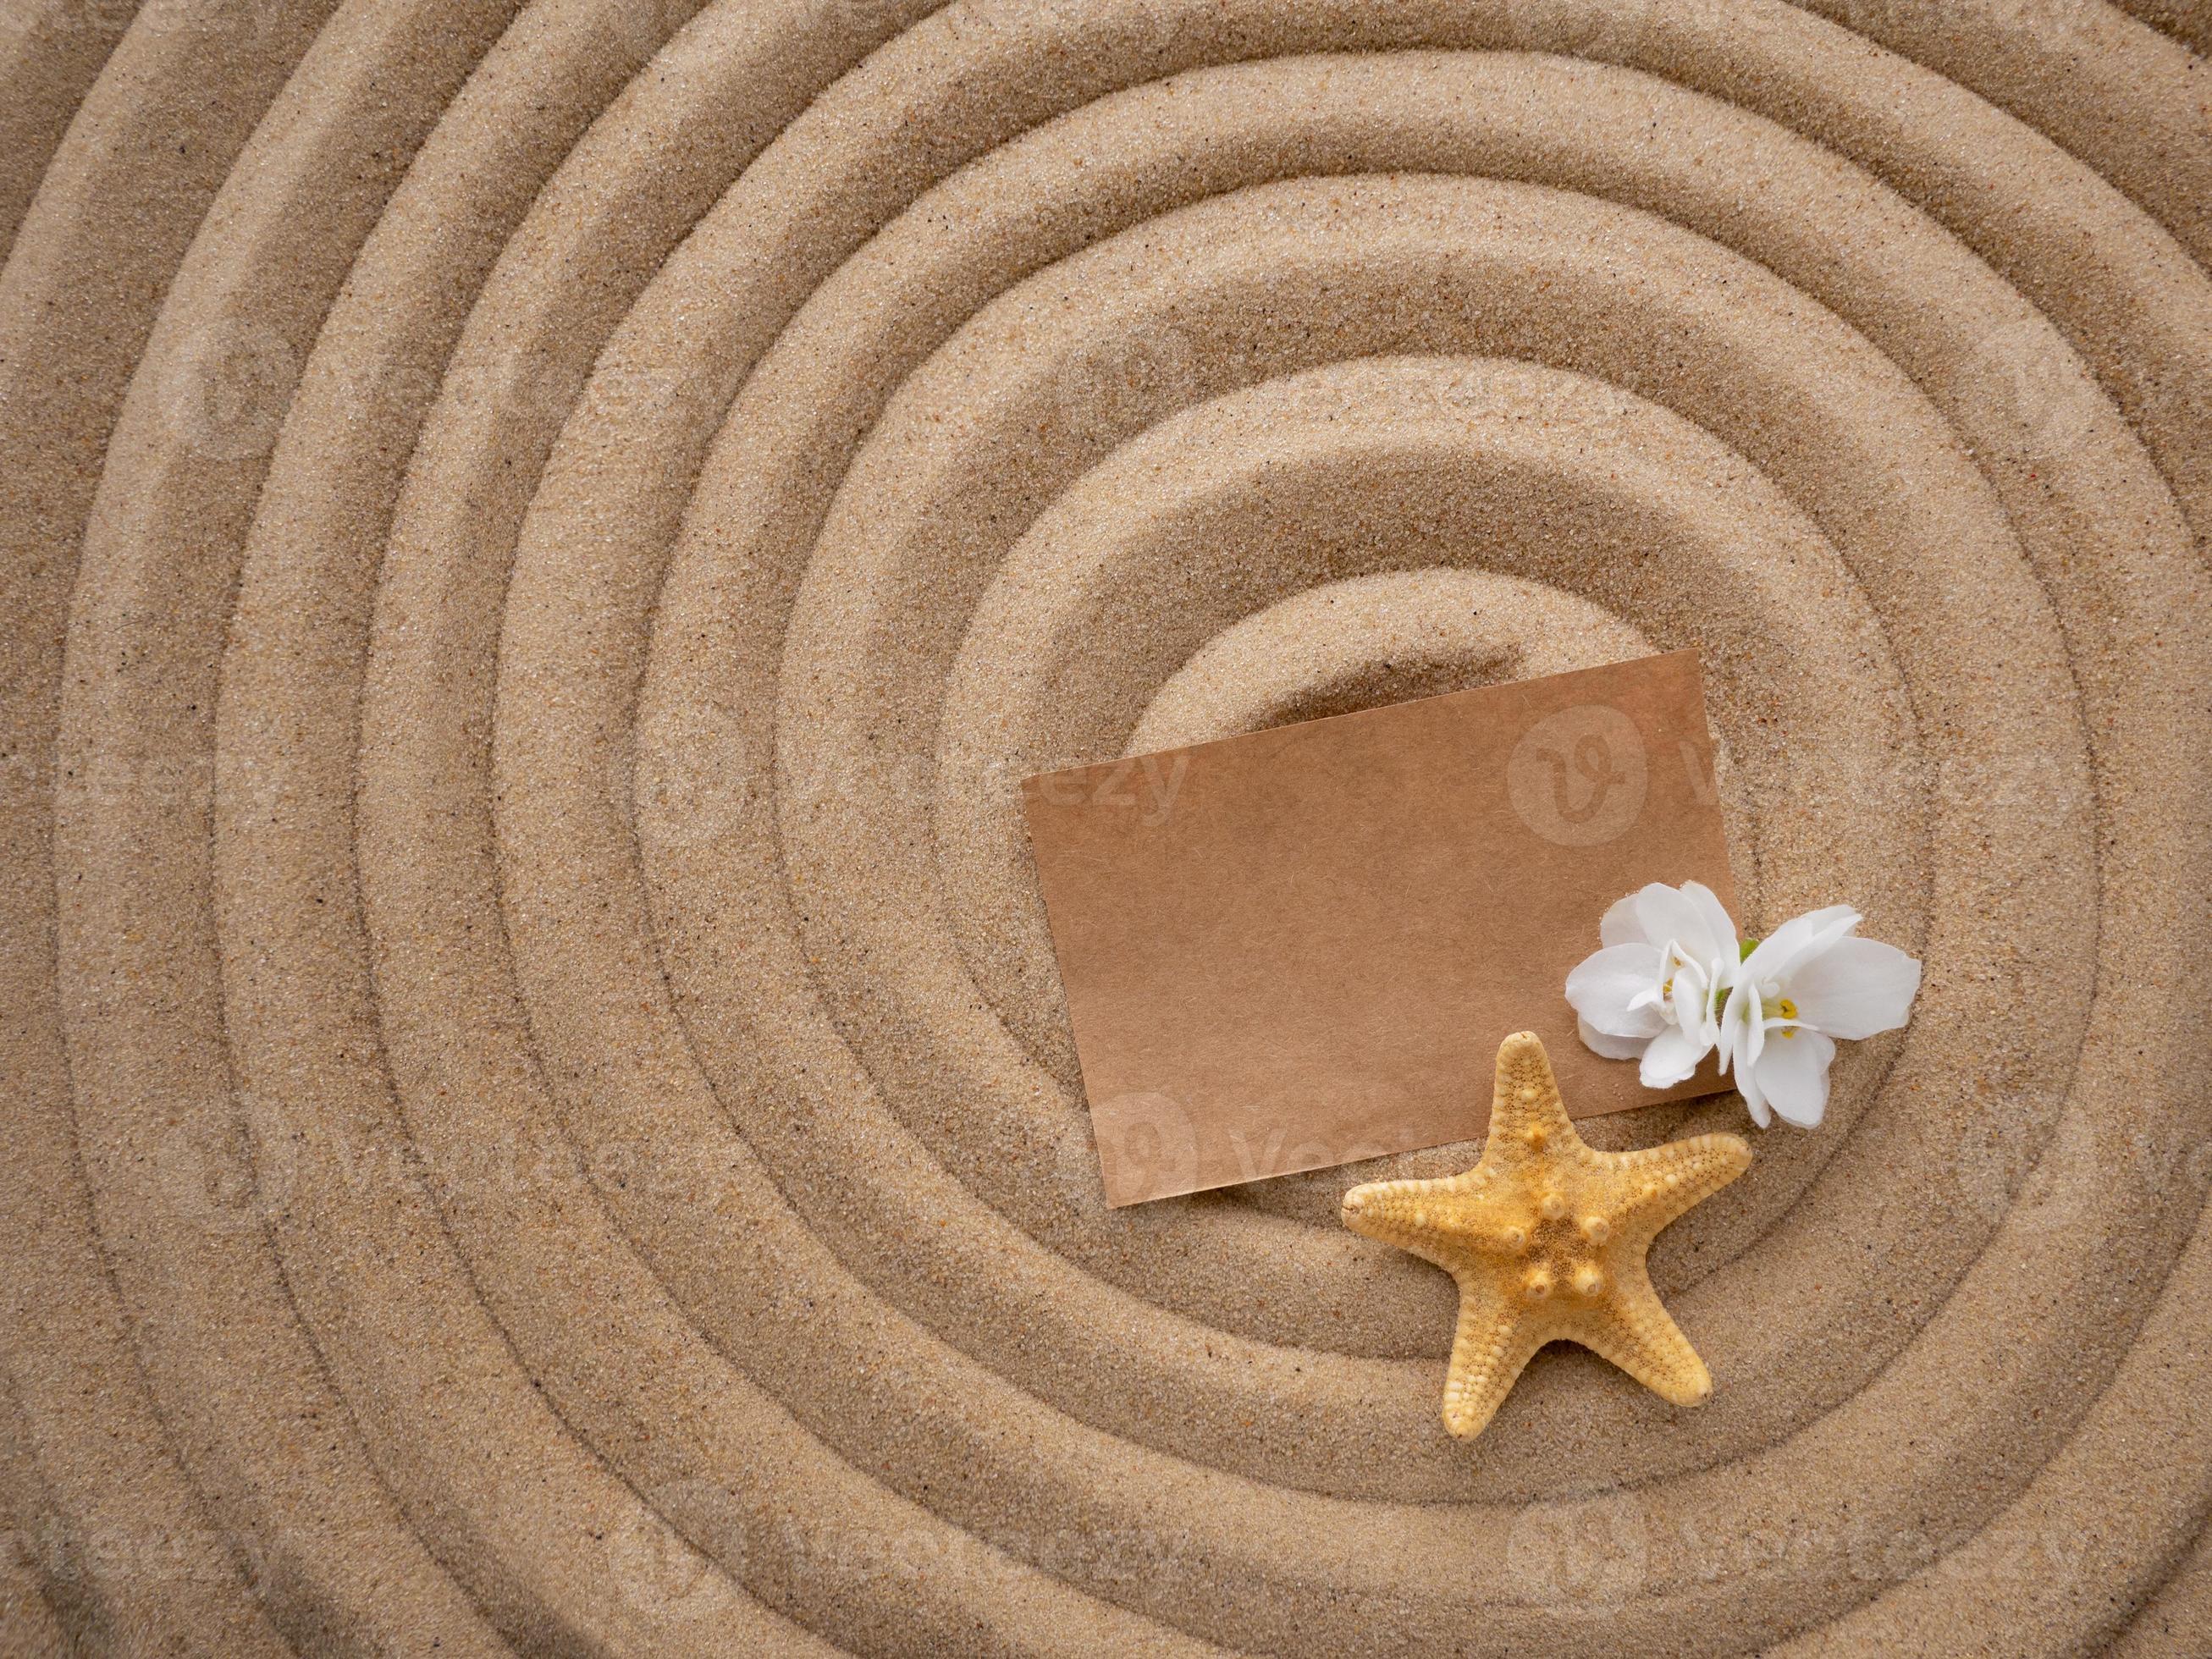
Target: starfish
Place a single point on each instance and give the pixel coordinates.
(1546, 1236)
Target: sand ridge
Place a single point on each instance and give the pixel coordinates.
(541, 1117)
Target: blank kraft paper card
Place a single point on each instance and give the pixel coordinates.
(1302, 946)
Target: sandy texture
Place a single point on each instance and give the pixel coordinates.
(538, 1115)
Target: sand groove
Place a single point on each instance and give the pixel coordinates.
(542, 537)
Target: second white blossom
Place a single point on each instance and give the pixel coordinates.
(1803, 986)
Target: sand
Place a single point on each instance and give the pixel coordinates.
(539, 1111)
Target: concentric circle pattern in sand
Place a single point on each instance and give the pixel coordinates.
(540, 541)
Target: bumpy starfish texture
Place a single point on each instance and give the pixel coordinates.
(1546, 1236)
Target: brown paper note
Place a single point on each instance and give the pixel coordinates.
(1302, 946)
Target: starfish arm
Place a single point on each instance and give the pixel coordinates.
(1441, 1221)
(1488, 1357)
(1663, 1181)
(1526, 1112)
(1636, 1332)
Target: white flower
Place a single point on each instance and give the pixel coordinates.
(1805, 985)
(1656, 992)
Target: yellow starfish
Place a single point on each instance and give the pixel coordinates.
(1546, 1238)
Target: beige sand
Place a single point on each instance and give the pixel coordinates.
(539, 1111)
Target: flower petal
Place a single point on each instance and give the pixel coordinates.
(1856, 987)
(1603, 986)
(1692, 1002)
(1755, 1099)
(1667, 913)
(1796, 941)
(1738, 1012)
(1792, 1073)
(1672, 1056)
(1755, 1104)
(1612, 1047)
(1750, 1032)
(1718, 923)
(1620, 926)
